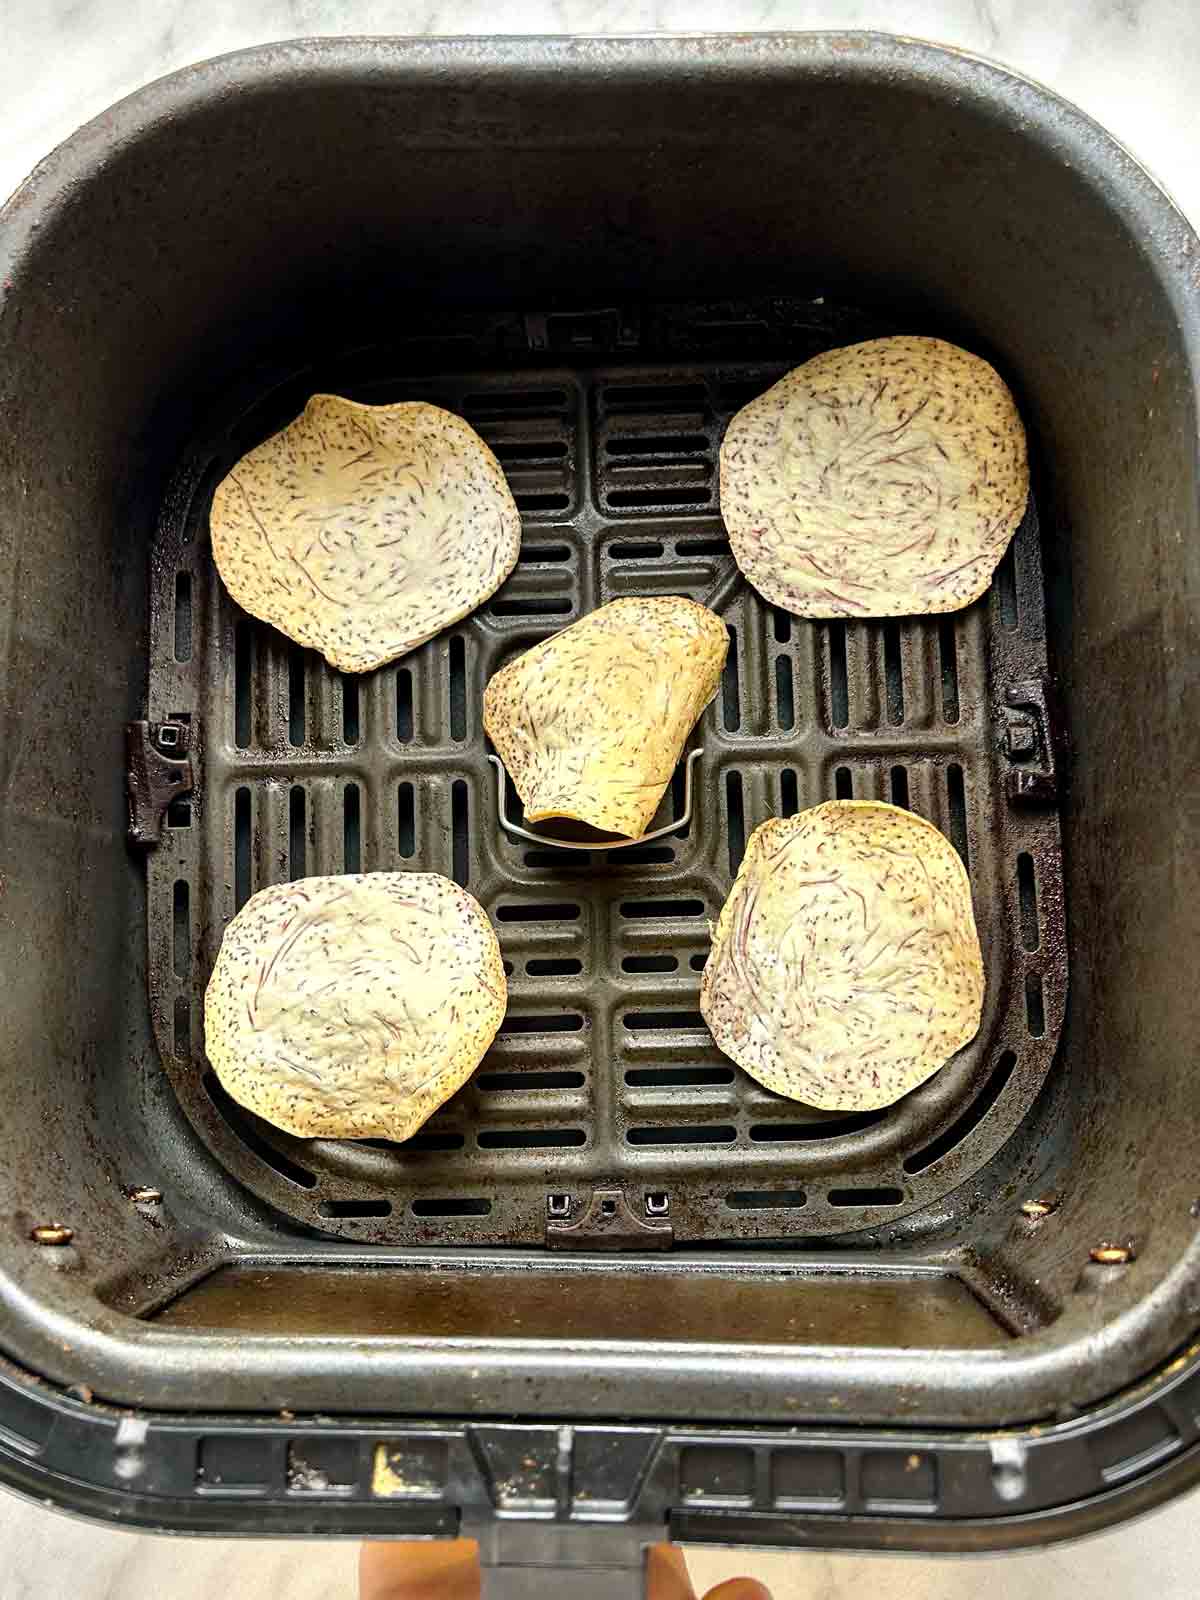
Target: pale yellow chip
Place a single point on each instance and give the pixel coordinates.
(361, 531)
(352, 1007)
(591, 722)
(881, 480)
(845, 966)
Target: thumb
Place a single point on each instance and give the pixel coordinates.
(667, 1574)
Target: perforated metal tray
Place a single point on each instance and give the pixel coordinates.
(603, 1074)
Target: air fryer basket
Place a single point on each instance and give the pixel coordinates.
(963, 1321)
(604, 1073)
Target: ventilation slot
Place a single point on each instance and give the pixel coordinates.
(782, 624)
(766, 1199)
(702, 547)
(657, 444)
(406, 820)
(956, 795)
(785, 704)
(805, 1132)
(865, 1197)
(1035, 1006)
(182, 947)
(234, 1116)
(183, 1029)
(789, 796)
(241, 848)
(460, 847)
(296, 711)
(843, 783)
(661, 908)
(507, 400)
(658, 397)
(501, 1082)
(644, 855)
(1027, 890)
(893, 673)
(1006, 589)
(649, 964)
(450, 1207)
(534, 605)
(531, 1138)
(427, 1141)
(558, 911)
(948, 657)
(898, 782)
(355, 1208)
(736, 819)
(699, 961)
(512, 451)
(350, 710)
(677, 1077)
(636, 1021)
(705, 1133)
(458, 688)
(243, 670)
(560, 860)
(297, 841)
(554, 969)
(543, 501)
(183, 616)
(531, 554)
(678, 797)
(179, 812)
(970, 1119)
(667, 495)
(404, 705)
(731, 703)
(646, 550)
(839, 682)
(562, 1022)
(351, 829)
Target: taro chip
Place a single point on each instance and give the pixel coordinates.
(591, 723)
(845, 966)
(352, 1007)
(362, 531)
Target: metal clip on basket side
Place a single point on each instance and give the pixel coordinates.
(518, 832)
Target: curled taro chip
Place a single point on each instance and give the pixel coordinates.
(591, 722)
(845, 966)
(361, 531)
(881, 480)
(352, 1007)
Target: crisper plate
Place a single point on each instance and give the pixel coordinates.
(604, 1076)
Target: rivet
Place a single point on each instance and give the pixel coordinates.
(1111, 1255)
(52, 1233)
(1035, 1210)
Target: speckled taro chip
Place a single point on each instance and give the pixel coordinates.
(881, 480)
(591, 723)
(845, 966)
(352, 1007)
(362, 531)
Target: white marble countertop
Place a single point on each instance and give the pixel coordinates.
(1134, 65)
